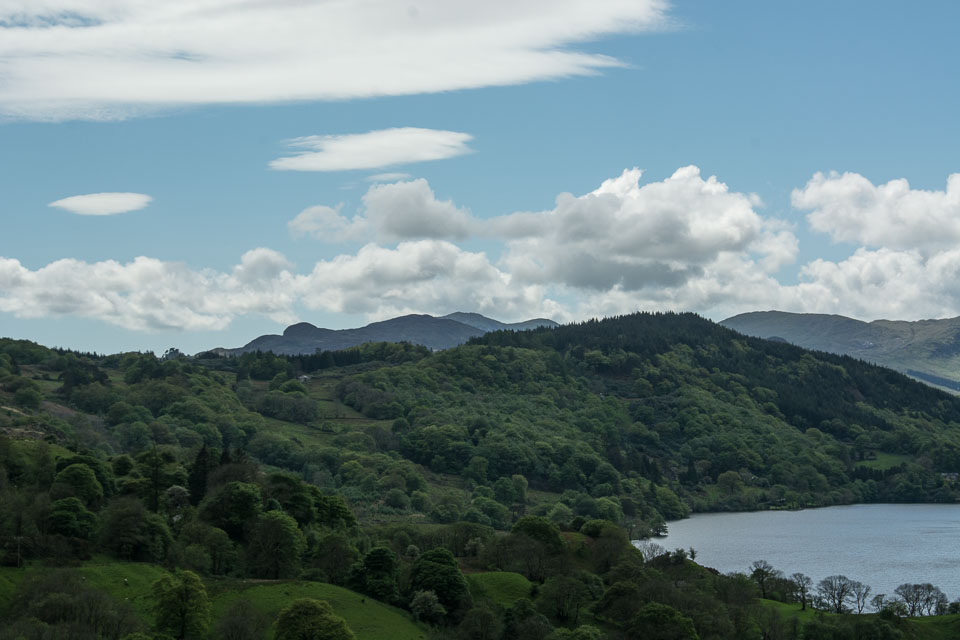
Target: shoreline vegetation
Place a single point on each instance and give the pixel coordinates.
(487, 491)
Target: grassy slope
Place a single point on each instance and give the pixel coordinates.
(788, 611)
(925, 628)
(502, 587)
(885, 461)
(369, 619)
(933, 628)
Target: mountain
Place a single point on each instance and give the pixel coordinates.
(925, 349)
(429, 331)
(486, 324)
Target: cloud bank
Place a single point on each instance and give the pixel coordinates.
(108, 59)
(103, 204)
(683, 243)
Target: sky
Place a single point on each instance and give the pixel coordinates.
(195, 173)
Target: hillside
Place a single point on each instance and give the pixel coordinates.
(390, 470)
(925, 349)
(433, 333)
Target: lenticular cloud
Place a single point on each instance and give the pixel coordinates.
(103, 204)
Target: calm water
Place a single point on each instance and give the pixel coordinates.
(882, 545)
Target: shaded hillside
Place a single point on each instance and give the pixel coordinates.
(720, 419)
(431, 332)
(926, 349)
(526, 460)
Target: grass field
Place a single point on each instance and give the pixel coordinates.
(933, 628)
(788, 611)
(131, 582)
(369, 619)
(884, 461)
(502, 587)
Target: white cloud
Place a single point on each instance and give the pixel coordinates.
(373, 149)
(105, 59)
(390, 213)
(852, 209)
(427, 276)
(149, 294)
(103, 204)
(683, 243)
(328, 225)
(625, 235)
(388, 177)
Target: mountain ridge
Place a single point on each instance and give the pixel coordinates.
(925, 349)
(432, 332)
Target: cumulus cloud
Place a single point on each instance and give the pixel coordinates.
(66, 59)
(390, 213)
(852, 209)
(150, 294)
(373, 149)
(103, 204)
(683, 243)
(328, 225)
(661, 234)
(426, 276)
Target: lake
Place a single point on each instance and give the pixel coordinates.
(882, 545)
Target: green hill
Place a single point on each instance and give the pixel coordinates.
(527, 460)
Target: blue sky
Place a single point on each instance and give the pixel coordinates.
(160, 182)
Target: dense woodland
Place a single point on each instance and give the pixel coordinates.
(487, 491)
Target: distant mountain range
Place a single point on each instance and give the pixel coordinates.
(432, 332)
(928, 350)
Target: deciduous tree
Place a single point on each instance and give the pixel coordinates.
(182, 607)
(308, 619)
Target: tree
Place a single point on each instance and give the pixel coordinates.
(912, 596)
(70, 518)
(197, 480)
(133, 533)
(275, 547)
(159, 468)
(621, 601)
(657, 621)
(480, 623)
(334, 554)
(376, 575)
(878, 602)
(835, 592)
(309, 619)
(860, 594)
(426, 608)
(181, 606)
(233, 506)
(437, 571)
(562, 598)
(242, 621)
(763, 574)
(801, 588)
(78, 480)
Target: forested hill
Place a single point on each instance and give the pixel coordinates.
(811, 387)
(388, 469)
(723, 420)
